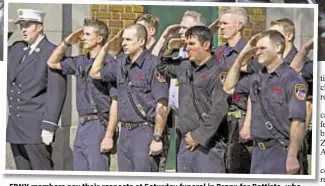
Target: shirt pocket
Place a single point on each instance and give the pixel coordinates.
(121, 80)
(201, 88)
(182, 80)
(275, 99)
(142, 86)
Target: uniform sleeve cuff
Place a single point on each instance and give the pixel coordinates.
(197, 136)
(49, 126)
(161, 97)
(291, 117)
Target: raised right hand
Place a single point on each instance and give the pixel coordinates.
(114, 46)
(251, 43)
(175, 43)
(170, 31)
(308, 45)
(74, 37)
(214, 26)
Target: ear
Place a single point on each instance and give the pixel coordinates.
(279, 48)
(40, 27)
(240, 26)
(206, 45)
(142, 42)
(290, 37)
(99, 39)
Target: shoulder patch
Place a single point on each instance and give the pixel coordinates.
(223, 76)
(161, 78)
(300, 91)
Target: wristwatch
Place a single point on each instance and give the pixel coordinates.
(156, 137)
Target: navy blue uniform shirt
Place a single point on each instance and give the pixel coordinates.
(93, 96)
(254, 66)
(226, 56)
(306, 72)
(144, 82)
(210, 98)
(283, 95)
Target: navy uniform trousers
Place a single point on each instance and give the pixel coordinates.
(86, 154)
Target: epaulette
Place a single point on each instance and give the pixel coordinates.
(23, 43)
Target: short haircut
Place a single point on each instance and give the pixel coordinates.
(240, 12)
(288, 26)
(199, 19)
(203, 34)
(151, 20)
(141, 31)
(275, 36)
(100, 27)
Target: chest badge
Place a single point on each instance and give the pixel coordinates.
(277, 90)
(161, 78)
(223, 76)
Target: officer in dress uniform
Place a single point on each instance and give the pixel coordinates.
(142, 101)
(35, 94)
(276, 109)
(93, 96)
(203, 104)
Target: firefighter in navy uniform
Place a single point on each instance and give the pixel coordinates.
(35, 95)
(304, 66)
(167, 41)
(94, 97)
(203, 104)
(151, 23)
(276, 113)
(142, 101)
(238, 157)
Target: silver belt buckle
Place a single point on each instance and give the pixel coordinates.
(128, 126)
(269, 125)
(261, 145)
(82, 120)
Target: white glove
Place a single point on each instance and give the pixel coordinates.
(47, 137)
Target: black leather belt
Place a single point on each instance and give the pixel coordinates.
(264, 144)
(131, 126)
(85, 119)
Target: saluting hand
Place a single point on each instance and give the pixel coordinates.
(248, 54)
(214, 26)
(106, 144)
(292, 165)
(170, 31)
(191, 144)
(114, 45)
(251, 43)
(249, 50)
(175, 43)
(308, 45)
(74, 37)
(156, 148)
